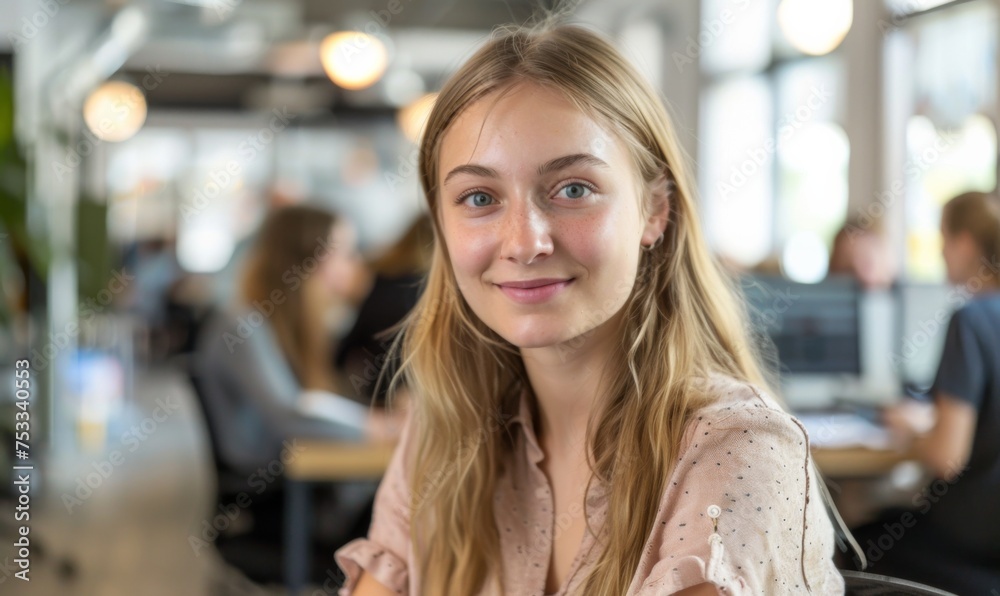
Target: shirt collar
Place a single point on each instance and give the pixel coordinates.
(526, 420)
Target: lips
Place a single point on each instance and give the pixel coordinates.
(534, 291)
(532, 283)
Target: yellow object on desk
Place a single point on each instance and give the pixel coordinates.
(318, 460)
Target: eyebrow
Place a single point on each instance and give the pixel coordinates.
(553, 165)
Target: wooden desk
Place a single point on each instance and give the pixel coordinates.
(326, 461)
(857, 462)
(321, 461)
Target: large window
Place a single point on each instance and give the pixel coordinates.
(951, 134)
(774, 156)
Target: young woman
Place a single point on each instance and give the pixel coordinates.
(955, 543)
(265, 360)
(588, 416)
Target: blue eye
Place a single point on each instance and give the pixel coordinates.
(479, 199)
(574, 190)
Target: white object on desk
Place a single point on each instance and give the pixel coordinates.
(330, 406)
(843, 430)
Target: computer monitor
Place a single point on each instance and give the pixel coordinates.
(828, 341)
(924, 313)
(815, 328)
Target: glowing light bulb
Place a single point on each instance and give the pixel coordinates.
(353, 60)
(815, 27)
(115, 111)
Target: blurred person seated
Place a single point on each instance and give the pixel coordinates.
(951, 539)
(861, 250)
(264, 362)
(399, 273)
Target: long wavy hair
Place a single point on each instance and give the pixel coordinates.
(290, 239)
(682, 322)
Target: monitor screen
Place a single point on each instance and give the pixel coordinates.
(924, 312)
(815, 328)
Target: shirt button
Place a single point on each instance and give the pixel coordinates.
(714, 511)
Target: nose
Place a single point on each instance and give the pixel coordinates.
(526, 233)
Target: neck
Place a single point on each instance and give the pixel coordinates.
(567, 383)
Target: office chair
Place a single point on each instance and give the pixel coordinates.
(254, 543)
(858, 583)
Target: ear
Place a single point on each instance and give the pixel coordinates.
(660, 198)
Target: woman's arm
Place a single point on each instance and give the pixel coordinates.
(945, 449)
(959, 387)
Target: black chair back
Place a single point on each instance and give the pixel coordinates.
(859, 583)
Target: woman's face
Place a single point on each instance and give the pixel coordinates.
(961, 256)
(540, 213)
(339, 271)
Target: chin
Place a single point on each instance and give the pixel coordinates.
(533, 334)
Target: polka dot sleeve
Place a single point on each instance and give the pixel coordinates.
(741, 510)
(385, 552)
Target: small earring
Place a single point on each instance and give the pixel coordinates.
(656, 243)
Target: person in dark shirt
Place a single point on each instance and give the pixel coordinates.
(951, 539)
(363, 354)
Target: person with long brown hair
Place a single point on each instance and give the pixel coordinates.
(267, 358)
(306, 255)
(588, 413)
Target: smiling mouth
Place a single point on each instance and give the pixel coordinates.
(533, 291)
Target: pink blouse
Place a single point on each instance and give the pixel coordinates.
(744, 462)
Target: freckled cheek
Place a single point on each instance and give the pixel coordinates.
(601, 245)
(471, 250)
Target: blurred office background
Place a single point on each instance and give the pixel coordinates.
(142, 145)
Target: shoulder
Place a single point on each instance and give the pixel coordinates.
(978, 313)
(743, 433)
(973, 325)
(737, 407)
(742, 509)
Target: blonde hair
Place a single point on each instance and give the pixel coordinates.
(682, 321)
